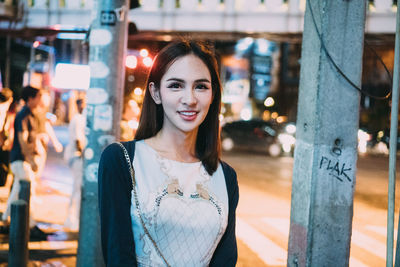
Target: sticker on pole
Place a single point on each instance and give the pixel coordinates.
(102, 118)
(91, 172)
(108, 17)
(96, 96)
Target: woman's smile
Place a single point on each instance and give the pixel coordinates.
(188, 115)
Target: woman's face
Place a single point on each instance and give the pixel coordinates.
(185, 94)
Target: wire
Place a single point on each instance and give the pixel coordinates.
(339, 69)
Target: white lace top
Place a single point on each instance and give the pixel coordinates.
(184, 209)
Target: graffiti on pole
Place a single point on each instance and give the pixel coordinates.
(336, 168)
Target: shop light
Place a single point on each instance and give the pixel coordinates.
(133, 124)
(56, 27)
(262, 46)
(147, 61)
(144, 52)
(71, 36)
(290, 128)
(138, 91)
(71, 76)
(131, 61)
(244, 44)
(269, 102)
(245, 114)
(36, 44)
(132, 103)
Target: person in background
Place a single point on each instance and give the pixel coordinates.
(45, 133)
(6, 133)
(74, 156)
(24, 152)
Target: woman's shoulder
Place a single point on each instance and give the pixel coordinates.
(114, 150)
(231, 184)
(227, 168)
(229, 173)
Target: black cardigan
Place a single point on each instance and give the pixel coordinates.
(115, 188)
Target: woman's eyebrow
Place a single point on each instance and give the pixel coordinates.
(176, 80)
(204, 80)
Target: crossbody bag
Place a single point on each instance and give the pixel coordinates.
(132, 174)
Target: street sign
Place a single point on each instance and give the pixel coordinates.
(108, 17)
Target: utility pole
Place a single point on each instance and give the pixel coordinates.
(108, 42)
(327, 124)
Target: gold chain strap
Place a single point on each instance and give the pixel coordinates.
(132, 173)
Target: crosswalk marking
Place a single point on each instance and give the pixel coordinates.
(283, 225)
(280, 224)
(266, 250)
(362, 240)
(368, 243)
(356, 263)
(272, 254)
(382, 230)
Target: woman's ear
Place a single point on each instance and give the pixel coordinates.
(155, 93)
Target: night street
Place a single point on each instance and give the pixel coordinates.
(264, 209)
(263, 214)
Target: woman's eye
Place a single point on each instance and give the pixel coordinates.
(201, 86)
(174, 85)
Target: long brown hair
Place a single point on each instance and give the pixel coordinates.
(208, 145)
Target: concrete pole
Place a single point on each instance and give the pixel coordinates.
(327, 124)
(108, 42)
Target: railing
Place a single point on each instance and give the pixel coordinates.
(206, 5)
(277, 16)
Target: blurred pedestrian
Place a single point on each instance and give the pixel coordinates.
(74, 156)
(6, 133)
(44, 133)
(24, 152)
(176, 207)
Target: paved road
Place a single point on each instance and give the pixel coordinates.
(264, 210)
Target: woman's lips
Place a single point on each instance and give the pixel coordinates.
(188, 115)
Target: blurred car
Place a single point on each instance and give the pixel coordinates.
(259, 135)
(381, 138)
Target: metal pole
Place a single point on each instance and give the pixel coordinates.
(393, 149)
(19, 234)
(25, 195)
(30, 67)
(108, 42)
(25, 191)
(8, 56)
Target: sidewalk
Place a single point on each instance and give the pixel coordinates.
(49, 210)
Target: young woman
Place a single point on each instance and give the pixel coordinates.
(176, 207)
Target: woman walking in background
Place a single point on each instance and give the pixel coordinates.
(166, 198)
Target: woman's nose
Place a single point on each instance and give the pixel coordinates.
(189, 97)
